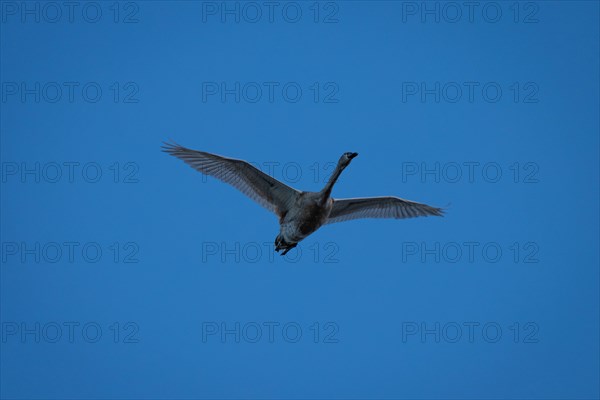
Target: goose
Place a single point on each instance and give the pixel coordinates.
(300, 213)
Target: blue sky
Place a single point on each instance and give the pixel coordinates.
(126, 274)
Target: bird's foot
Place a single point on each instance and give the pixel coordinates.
(288, 249)
(281, 244)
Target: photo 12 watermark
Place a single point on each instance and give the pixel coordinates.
(88, 92)
(270, 332)
(69, 252)
(469, 92)
(270, 92)
(71, 332)
(289, 172)
(264, 253)
(472, 12)
(470, 252)
(470, 332)
(69, 12)
(270, 12)
(521, 172)
(71, 172)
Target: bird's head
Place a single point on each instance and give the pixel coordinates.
(346, 158)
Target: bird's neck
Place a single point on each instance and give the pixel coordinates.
(326, 192)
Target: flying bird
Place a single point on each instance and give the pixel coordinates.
(300, 213)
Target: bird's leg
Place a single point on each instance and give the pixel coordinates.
(281, 244)
(288, 248)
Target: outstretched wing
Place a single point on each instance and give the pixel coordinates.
(260, 187)
(379, 207)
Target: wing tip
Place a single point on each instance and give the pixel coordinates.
(171, 147)
(439, 211)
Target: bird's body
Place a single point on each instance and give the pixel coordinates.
(307, 215)
(300, 213)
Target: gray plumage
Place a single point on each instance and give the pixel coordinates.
(300, 213)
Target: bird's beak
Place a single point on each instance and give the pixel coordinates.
(351, 156)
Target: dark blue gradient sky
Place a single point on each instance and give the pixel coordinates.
(126, 274)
